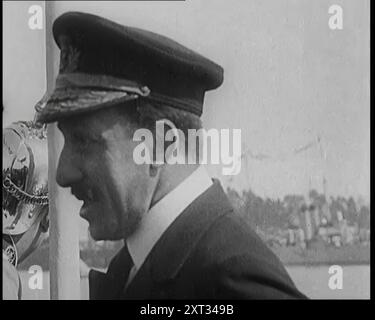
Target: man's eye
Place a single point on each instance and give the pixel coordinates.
(81, 141)
(84, 142)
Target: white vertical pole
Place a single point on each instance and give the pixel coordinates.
(64, 230)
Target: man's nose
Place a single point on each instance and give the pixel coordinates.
(67, 172)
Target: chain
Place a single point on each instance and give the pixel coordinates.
(23, 196)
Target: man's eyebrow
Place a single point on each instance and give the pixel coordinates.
(62, 125)
(80, 132)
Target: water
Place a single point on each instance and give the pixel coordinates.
(312, 281)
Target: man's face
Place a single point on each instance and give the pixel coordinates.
(97, 164)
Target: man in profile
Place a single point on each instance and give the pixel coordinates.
(182, 238)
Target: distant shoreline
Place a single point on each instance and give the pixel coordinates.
(354, 255)
(327, 264)
(319, 256)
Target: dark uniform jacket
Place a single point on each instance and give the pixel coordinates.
(208, 252)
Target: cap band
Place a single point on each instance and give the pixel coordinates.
(102, 82)
(108, 83)
(182, 104)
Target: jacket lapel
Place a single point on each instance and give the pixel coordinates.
(175, 245)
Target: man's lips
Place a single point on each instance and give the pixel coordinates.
(88, 199)
(87, 196)
(84, 212)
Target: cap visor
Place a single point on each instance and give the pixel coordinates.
(70, 102)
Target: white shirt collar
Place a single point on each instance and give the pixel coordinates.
(163, 213)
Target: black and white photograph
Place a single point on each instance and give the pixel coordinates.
(205, 150)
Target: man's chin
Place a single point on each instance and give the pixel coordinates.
(96, 234)
(96, 238)
(103, 235)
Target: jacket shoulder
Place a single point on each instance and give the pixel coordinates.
(240, 265)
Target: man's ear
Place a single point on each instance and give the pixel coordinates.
(173, 140)
(166, 132)
(154, 169)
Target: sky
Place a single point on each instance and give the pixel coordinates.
(288, 78)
